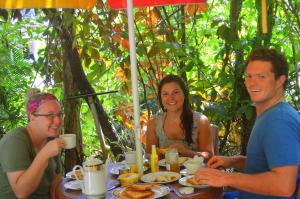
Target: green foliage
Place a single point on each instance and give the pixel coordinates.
(16, 71)
(202, 46)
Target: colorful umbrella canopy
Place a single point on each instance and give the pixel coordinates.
(20, 4)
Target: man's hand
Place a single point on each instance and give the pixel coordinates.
(217, 162)
(212, 177)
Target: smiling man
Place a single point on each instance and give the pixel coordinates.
(273, 153)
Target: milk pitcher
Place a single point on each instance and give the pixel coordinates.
(94, 177)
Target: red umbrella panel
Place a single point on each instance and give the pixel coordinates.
(118, 4)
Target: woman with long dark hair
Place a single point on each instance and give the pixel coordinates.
(178, 126)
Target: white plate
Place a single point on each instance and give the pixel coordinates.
(159, 191)
(74, 185)
(161, 177)
(183, 182)
(162, 162)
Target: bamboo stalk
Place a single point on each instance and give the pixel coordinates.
(264, 23)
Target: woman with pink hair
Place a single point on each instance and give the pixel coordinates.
(29, 156)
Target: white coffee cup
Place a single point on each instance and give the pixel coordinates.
(70, 140)
(130, 157)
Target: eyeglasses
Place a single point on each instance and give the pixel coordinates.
(50, 116)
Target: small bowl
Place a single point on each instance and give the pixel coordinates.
(128, 179)
(186, 190)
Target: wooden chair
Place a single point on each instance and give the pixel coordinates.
(214, 129)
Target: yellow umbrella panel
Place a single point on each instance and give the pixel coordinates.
(21, 4)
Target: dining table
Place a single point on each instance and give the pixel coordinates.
(113, 183)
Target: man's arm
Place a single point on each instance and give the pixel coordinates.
(280, 181)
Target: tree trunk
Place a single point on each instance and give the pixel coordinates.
(81, 81)
(72, 120)
(239, 86)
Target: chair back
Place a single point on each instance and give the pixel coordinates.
(214, 134)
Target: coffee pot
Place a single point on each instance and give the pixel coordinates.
(94, 177)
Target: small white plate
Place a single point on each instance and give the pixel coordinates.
(161, 177)
(74, 185)
(159, 191)
(183, 181)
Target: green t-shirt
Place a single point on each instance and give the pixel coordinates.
(17, 153)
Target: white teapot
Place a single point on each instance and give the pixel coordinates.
(94, 177)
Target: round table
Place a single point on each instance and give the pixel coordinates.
(112, 183)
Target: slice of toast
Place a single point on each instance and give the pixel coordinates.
(140, 187)
(137, 194)
(193, 181)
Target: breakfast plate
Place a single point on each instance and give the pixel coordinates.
(159, 191)
(161, 177)
(181, 160)
(70, 175)
(74, 185)
(183, 181)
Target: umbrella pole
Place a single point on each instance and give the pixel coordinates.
(134, 83)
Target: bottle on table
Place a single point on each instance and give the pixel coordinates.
(154, 159)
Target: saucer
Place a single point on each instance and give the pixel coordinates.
(97, 196)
